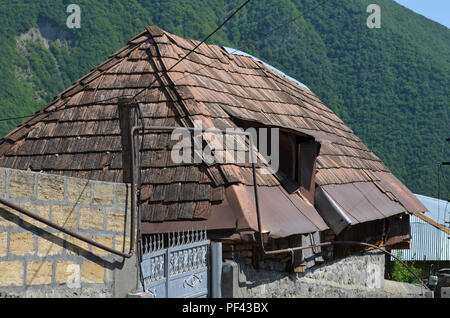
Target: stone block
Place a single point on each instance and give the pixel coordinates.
(76, 247)
(103, 194)
(122, 195)
(21, 243)
(41, 210)
(78, 191)
(67, 273)
(50, 244)
(9, 217)
(39, 273)
(107, 241)
(92, 273)
(2, 181)
(50, 188)
(65, 215)
(115, 221)
(91, 219)
(21, 184)
(11, 273)
(3, 244)
(119, 243)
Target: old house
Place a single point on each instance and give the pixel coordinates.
(330, 186)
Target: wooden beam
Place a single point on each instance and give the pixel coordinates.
(127, 121)
(432, 222)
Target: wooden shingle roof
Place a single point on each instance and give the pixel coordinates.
(78, 134)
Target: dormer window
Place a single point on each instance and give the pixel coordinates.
(297, 156)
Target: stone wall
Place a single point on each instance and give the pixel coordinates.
(39, 261)
(354, 276)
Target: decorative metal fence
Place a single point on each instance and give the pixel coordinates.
(176, 265)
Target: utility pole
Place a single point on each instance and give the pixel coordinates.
(447, 163)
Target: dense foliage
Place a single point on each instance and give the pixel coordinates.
(400, 273)
(390, 85)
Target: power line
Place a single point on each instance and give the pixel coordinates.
(264, 37)
(209, 36)
(173, 66)
(14, 118)
(191, 51)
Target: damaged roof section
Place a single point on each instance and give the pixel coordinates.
(78, 135)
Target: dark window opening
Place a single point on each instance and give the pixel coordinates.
(297, 156)
(288, 156)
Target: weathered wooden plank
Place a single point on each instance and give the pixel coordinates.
(202, 210)
(172, 192)
(186, 211)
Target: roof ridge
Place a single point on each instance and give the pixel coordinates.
(155, 31)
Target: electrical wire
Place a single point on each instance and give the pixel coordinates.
(439, 191)
(192, 50)
(141, 115)
(198, 45)
(14, 118)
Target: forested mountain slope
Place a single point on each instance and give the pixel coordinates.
(390, 85)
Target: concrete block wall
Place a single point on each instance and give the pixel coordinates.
(39, 261)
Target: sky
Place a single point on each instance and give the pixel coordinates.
(436, 10)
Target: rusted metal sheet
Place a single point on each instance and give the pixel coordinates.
(353, 202)
(358, 202)
(307, 209)
(401, 192)
(280, 216)
(378, 199)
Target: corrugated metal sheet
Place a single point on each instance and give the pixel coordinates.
(428, 243)
(282, 214)
(401, 192)
(439, 209)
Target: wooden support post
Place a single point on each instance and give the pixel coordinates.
(127, 111)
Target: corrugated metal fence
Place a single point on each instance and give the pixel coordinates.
(427, 243)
